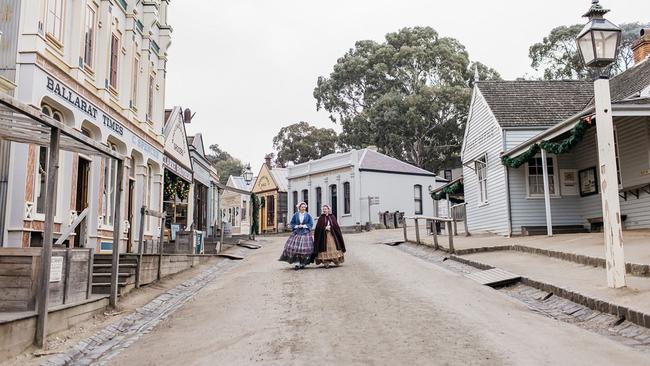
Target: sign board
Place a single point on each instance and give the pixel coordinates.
(56, 269)
(374, 200)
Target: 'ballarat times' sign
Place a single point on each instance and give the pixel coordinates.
(98, 116)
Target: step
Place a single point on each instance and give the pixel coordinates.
(564, 229)
(110, 260)
(105, 288)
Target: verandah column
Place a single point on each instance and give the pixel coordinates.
(547, 195)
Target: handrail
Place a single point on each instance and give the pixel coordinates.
(66, 233)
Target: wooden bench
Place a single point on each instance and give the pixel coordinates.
(596, 223)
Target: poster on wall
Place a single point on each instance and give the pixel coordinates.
(569, 182)
(588, 181)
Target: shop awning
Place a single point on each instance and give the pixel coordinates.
(20, 122)
(625, 108)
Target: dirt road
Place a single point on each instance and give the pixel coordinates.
(382, 307)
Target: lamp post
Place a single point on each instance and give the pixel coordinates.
(248, 178)
(248, 174)
(598, 44)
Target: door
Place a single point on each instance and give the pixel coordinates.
(129, 216)
(83, 173)
(334, 198)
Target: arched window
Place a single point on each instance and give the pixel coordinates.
(305, 197)
(346, 198)
(417, 198)
(319, 199)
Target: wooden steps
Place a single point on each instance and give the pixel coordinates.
(559, 229)
(102, 267)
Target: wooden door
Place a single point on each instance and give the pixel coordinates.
(83, 174)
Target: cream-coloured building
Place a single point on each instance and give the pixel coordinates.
(99, 67)
(236, 208)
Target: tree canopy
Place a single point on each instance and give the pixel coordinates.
(408, 95)
(226, 164)
(301, 142)
(557, 56)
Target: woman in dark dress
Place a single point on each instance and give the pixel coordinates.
(299, 248)
(328, 240)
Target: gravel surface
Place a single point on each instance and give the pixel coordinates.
(382, 307)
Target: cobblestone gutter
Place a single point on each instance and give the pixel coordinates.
(107, 343)
(626, 326)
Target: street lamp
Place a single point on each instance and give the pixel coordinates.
(248, 174)
(598, 44)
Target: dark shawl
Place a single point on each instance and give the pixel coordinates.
(320, 238)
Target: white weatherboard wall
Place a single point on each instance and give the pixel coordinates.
(395, 192)
(484, 136)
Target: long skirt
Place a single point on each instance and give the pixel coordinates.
(331, 255)
(299, 248)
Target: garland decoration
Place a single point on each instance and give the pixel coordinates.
(175, 187)
(255, 230)
(563, 146)
(453, 189)
(566, 145)
(521, 159)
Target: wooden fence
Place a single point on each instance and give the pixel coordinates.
(70, 281)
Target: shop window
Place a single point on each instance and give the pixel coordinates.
(55, 9)
(270, 210)
(108, 193)
(114, 58)
(417, 198)
(535, 176)
(89, 36)
(346, 198)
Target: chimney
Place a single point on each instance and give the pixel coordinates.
(641, 47)
(267, 161)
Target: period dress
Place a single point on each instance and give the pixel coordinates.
(299, 248)
(328, 241)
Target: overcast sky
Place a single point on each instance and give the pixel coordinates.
(249, 67)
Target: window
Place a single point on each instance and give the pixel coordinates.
(89, 36)
(417, 198)
(151, 100)
(305, 196)
(481, 172)
(134, 77)
(319, 199)
(535, 176)
(295, 201)
(334, 199)
(448, 175)
(147, 196)
(244, 209)
(55, 19)
(115, 45)
(108, 196)
(346, 198)
(41, 180)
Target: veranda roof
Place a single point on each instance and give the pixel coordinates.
(20, 122)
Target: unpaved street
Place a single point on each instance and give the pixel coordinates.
(382, 307)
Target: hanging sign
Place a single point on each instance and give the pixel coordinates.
(56, 269)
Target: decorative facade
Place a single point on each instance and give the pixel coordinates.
(271, 189)
(98, 67)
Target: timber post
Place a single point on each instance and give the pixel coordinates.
(451, 237)
(436, 246)
(406, 239)
(117, 211)
(143, 211)
(417, 231)
(46, 256)
(161, 245)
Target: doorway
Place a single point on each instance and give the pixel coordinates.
(129, 216)
(83, 174)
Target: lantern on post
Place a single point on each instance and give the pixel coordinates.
(598, 44)
(600, 39)
(248, 174)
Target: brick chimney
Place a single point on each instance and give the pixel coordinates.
(267, 161)
(641, 47)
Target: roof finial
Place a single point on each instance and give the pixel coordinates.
(476, 75)
(596, 10)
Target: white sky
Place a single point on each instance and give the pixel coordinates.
(249, 67)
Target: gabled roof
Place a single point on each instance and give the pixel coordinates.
(631, 82)
(372, 160)
(280, 175)
(535, 103)
(240, 183)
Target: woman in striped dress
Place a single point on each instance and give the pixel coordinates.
(299, 248)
